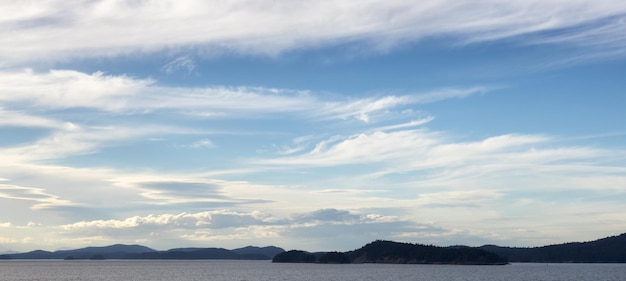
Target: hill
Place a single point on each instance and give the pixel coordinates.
(395, 252)
(610, 249)
(252, 252)
(117, 251)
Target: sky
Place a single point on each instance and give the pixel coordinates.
(314, 125)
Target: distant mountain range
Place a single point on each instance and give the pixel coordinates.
(119, 251)
(609, 249)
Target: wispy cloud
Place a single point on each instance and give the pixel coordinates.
(38, 196)
(183, 63)
(54, 100)
(411, 124)
(74, 140)
(111, 28)
(19, 119)
(380, 146)
(63, 89)
(424, 158)
(203, 143)
(68, 89)
(364, 109)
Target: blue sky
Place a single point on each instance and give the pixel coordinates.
(234, 123)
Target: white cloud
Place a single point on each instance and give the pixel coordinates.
(411, 124)
(183, 63)
(449, 93)
(68, 89)
(363, 109)
(430, 148)
(55, 30)
(362, 148)
(460, 198)
(203, 143)
(38, 196)
(73, 140)
(62, 89)
(226, 226)
(18, 119)
(177, 220)
(428, 160)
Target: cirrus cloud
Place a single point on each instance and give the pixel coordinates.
(56, 30)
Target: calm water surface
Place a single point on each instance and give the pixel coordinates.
(140, 270)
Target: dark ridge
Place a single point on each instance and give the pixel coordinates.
(295, 256)
(266, 252)
(606, 250)
(394, 252)
(334, 257)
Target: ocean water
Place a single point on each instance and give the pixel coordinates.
(148, 270)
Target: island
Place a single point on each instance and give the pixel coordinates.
(611, 249)
(381, 251)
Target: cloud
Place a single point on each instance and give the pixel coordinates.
(221, 226)
(327, 215)
(406, 145)
(65, 92)
(60, 89)
(363, 109)
(204, 143)
(18, 119)
(112, 28)
(202, 220)
(182, 189)
(362, 148)
(183, 63)
(200, 144)
(67, 89)
(351, 230)
(413, 123)
(75, 140)
(38, 196)
(415, 160)
(448, 93)
(458, 199)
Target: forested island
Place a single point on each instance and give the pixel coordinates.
(606, 250)
(394, 252)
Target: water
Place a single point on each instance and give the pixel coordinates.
(218, 270)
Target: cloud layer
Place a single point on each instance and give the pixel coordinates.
(57, 30)
(385, 172)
